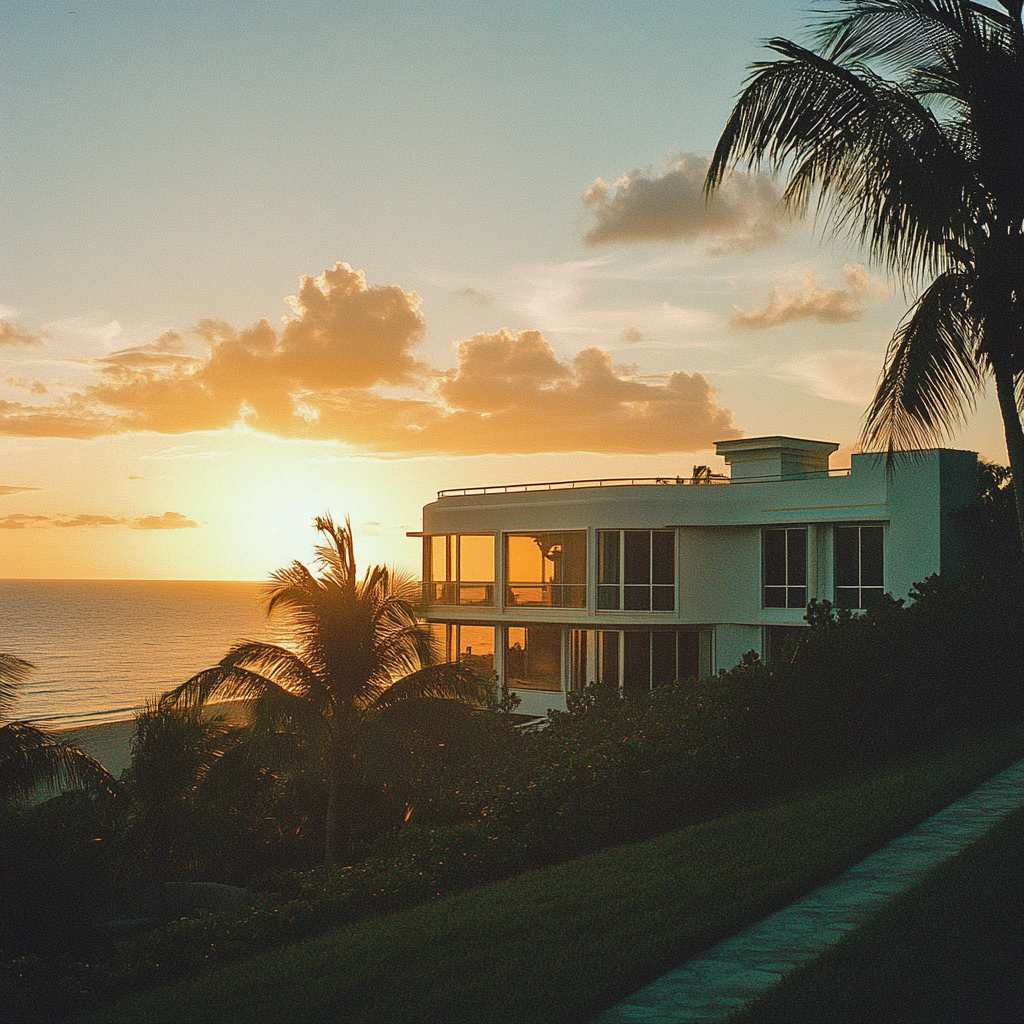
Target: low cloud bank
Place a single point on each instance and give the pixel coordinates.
(343, 367)
(168, 521)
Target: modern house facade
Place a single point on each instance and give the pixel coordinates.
(634, 583)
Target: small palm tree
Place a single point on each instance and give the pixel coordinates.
(30, 757)
(357, 654)
(925, 169)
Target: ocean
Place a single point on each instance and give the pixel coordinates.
(102, 648)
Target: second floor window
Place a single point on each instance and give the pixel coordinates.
(546, 569)
(636, 570)
(460, 569)
(785, 567)
(860, 565)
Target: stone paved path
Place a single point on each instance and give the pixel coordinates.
(731, 974)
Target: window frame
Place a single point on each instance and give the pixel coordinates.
(794, 594)
(623, 595)
(842, 590)
(552, 593)
(450, 592)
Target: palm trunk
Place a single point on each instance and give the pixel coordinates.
(339, 788)
(1014, 432)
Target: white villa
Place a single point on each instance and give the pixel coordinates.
(635, 583)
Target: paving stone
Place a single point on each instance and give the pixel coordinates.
(729, 975)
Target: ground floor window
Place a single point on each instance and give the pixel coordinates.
(779, 641)
(860, 565)
(637, 660)
(533, 658)
(471, 646)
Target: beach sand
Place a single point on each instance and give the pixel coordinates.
(110, 742)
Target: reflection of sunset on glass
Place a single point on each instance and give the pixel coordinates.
(232, 302)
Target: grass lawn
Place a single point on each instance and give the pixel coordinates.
(558, 945)
(949, 949)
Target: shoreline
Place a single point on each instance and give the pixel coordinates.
(111, 742)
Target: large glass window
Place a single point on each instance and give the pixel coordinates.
(860, 566)
(546, 569)
(636, 570)
(785, 567)
(640, 659)
(459, 569)
(533, 658)
(470, 646)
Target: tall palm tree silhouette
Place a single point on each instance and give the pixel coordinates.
(356, 656)
(925, 170)
(30, 757)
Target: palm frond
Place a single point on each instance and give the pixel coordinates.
(934, 371)
(881, 165)
(13, 670)
(226, 683)
(449, 681)
(895, 34)
(31, 758)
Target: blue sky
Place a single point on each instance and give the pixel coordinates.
(166, 165)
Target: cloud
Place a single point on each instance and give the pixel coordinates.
(19, 521)
(134, 476)
(510, 394)
(168, 521)
(87, 520)
(809, 300)
(34, 387)
(631, 336)
(343, 369)
(474, 296)
(16, 336)
(9, 489)
(743, 215)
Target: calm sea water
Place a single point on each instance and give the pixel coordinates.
(101, 648)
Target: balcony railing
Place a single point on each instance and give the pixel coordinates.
(453, 594)
(634, 481)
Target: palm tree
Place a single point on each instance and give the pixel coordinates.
(357, 654)
(925, 170)
(31, 757)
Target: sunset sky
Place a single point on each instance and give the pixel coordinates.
(261, 260)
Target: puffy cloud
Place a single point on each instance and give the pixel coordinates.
(743, 215)
(809, 300)
(342, 369)
(343, 334)
(168, 521)
(510, 394)
(8, 489)
(631, 336)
